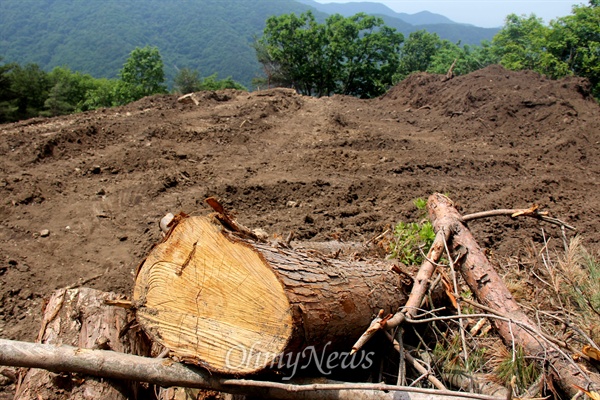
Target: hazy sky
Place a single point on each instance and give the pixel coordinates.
(483, 13)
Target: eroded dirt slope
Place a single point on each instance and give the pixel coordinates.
(325, 168)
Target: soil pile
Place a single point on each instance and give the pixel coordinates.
(81, 195)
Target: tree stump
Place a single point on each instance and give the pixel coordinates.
(79, 317)
(235, 305)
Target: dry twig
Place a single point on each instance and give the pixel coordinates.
(532, 212)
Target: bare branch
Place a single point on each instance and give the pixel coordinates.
(418, 292)
(110, 364)
(532, 212)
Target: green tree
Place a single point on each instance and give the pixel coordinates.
(187, 81)
(355, 56)
(365, 52)
(468, 58)
(574, 41)
(568, 46)
(142, 75)
(67, 92)
(7, 109)
(212, 83)
(522, 44)
(295, 44)
(417, 53)
(57, 102)
(103, 93)
(30, 86)
(272, 70)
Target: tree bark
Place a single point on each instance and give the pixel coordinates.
(235, 305)
(79, 317)
(490, 290)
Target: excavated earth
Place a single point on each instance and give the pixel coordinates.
(81, 195)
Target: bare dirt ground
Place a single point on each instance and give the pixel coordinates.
(336, 167)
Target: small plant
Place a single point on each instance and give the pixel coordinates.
(413, 239)
(448, 353)
(578, 286)
(449, 361)
(420, 203)
(517, 366)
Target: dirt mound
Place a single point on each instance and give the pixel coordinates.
(82, 195)
(506, 107)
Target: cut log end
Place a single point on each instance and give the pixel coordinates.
(211, 300)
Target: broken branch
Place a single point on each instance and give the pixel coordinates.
(164, 372)
(417, 294)
(532, 212)
(491, 291)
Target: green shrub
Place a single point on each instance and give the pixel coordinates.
(413, 239)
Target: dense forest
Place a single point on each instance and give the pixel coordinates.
(359, 55)
(96, 37)
(206, 35)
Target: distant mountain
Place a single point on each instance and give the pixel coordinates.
(348, 9)
(210, 36)
(407, 23)
(465, 34)
(97, 36)
(424, 18)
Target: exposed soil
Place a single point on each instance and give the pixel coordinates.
(336, 167)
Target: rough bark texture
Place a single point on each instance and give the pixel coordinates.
(79, 317)
(491, 291)
(233, 305)
(479, 273)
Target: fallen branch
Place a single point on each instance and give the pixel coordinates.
(491, 292)
(532, 212)
(435, 381)
(450, 73)
(417, 294)
(405, 355)
(164, 372)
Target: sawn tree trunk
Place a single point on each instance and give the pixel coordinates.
(238, 306)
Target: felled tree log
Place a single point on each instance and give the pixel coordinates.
(490, 290)
(79, 317)
(235, 305)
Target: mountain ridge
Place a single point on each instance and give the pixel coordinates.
(206, 35)
(373, 8)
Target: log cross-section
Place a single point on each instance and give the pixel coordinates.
(237, 306)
